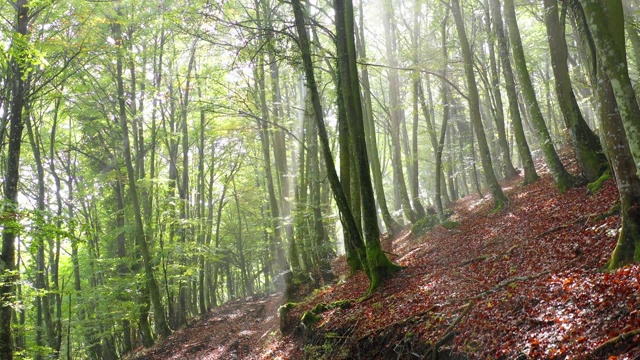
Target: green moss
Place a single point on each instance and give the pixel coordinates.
(309, 318)
(286, 307)
(380, 267)
(340, 304)
(448, 213)
(425, 224)
(354, 264)
(498, 206)
(319, 308)
(593, 187)
(450, 224)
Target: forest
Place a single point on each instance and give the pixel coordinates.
(393, 179)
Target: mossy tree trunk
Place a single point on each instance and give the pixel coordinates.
(355, 241)
(606, 22)
(562, 178)
(378, 265)
(585, 142)
(500, 200)
(628, 247)
(612, 114)
(345, 164)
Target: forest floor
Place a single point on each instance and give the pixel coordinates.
(522, 283)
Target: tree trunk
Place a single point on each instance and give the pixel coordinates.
(562, 178)
(19, 89)
(279, 140)
(141, 240)
(608, 45)
(606, 22)
(345, 166)
(341, 200)
(530, 174)
(585, 142)
(370, 133)
(508, 169)
(277, 251)
(322, 249)
(415, 173)
(395, 110)
(500, 200)
(378, 264)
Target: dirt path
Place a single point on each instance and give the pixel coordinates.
(232, 331)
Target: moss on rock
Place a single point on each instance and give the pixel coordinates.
(450, 224)
(425, 224)
(309, 318)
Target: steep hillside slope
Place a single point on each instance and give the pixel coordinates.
(524, 282)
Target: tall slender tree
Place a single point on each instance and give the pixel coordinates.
(585, 142)
(500, 200)
(530, 174)
(498, 113)
(562, 178)
(370, 133)
(19, 89)
(620, 116)
(378, 265)
(396, 112)
(140, 237)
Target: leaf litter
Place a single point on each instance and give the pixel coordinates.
(525, 282)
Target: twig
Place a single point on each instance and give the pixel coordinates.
(455, 322)
(477, 258)
(510, 250)
(399, 322)
(507, 282)
(563, 226)
(448, 334)
(553, 229)
(616, 340)
(484, 257)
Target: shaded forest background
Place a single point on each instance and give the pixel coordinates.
(162, 158)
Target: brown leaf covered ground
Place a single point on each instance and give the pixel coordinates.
(527, 281)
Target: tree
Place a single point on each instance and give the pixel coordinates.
(620, 116)
(585, 142)
(507, 165)
(370, 132)
(355, 240)
(562, 178)
(530, 174)
(500, 200)
(396, 113)
(378, 264)
(611, 50)
(141, 240)
(19, 63)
